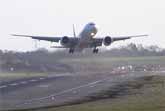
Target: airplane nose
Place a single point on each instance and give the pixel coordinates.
(95, 28)
(92, 27)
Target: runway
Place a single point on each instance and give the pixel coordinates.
(55, 89)
(6, 87)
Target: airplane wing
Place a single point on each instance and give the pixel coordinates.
(126, 37)
(99, 41)
(51, 39)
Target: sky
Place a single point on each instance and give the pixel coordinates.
(56, 17)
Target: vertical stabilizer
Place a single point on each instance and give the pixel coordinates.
(74, 33)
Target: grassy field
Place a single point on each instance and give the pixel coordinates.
(7, 76)
(21, 74)
(147, 103)
(94, 63)
(118, 60)
(150, 97)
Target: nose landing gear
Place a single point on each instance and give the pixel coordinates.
(95, 50)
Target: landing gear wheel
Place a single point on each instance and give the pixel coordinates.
(71, 51)
(95, 50)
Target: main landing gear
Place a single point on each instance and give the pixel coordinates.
(71, 50)
(95, 50)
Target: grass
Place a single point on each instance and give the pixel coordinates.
(118, 60)
(7, 76)
(126, 104)
(95, 64)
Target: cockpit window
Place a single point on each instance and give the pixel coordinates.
(91, 24)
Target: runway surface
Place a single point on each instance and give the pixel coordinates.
(55, 89)
(8, 86)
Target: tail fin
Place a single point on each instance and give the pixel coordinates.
(74, 33)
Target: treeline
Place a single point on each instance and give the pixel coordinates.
(34, 61)
(42, 60)
(136, 50)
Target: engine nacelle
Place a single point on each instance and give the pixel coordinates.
(65, 41)
(107, 41)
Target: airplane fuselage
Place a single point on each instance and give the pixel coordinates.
(86, 36)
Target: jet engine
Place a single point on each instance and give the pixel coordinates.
(65, 41)
(107, 41)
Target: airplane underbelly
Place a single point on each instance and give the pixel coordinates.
(84, 42)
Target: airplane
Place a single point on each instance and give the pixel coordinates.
(84, 40)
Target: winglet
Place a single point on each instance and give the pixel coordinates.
(142, 35)
(20, 35)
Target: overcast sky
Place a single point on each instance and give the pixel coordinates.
(55, 18)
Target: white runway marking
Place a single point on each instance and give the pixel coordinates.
(14, 84)
(53, 98)
(3, 86)
(42, 78)
(93, 86)
(23, 82)
(33, 80)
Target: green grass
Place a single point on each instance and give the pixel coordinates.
(128, 104)
(118, 60)
(21, 74)
(95, 64)
(7, 76)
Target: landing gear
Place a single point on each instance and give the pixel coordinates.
(95, 50)
(71, 50)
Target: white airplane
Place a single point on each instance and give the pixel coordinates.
(84, 40)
